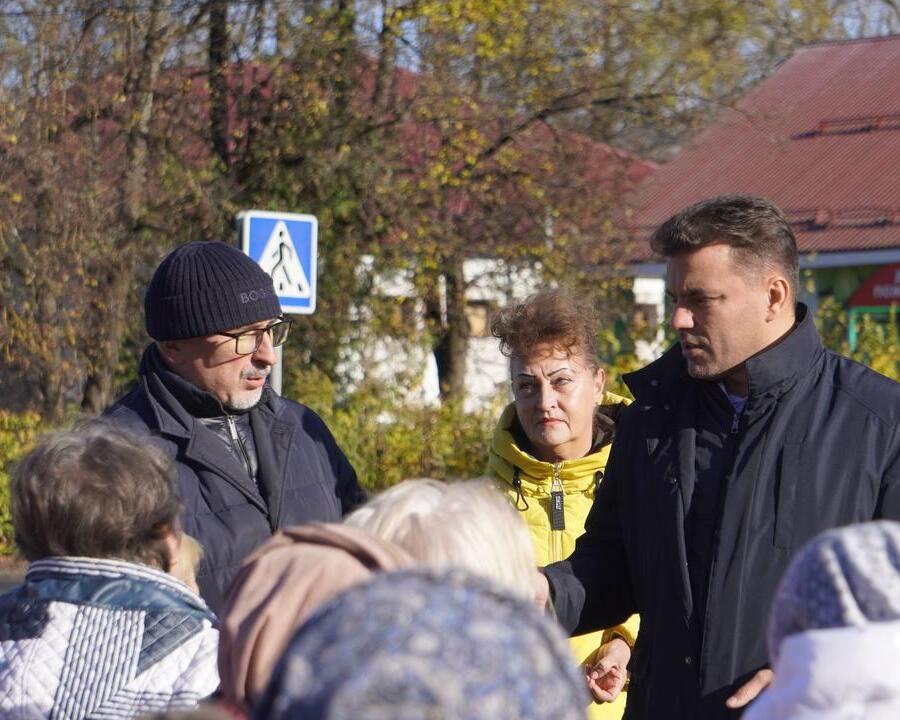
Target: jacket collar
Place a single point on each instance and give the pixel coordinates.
(198, 403)
(781, 364)
(506, 454)
(604, 425)
(770, 371)
(176, 402)
(110, 583)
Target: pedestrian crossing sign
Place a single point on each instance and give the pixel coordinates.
(285, 246)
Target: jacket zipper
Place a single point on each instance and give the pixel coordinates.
(726, 481)
(557, 515)
(235, 438)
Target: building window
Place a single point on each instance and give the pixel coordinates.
(646, 316)
(479, 314)
(399, 316)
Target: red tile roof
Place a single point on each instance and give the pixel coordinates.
(820, 137)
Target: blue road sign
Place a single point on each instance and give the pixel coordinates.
(285, 246)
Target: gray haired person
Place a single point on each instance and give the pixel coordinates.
(249, 461)
(101, 628)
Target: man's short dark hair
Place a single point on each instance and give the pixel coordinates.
(98, 492)
(757, 230)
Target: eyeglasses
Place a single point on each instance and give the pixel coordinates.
(248, 342)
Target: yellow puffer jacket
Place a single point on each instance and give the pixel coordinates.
(527, 480)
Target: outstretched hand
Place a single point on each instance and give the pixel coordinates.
(605, 671)
(750, 689)
(540, 589)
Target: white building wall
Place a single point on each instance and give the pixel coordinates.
(491, 284)
(487, 369)
(650, 292)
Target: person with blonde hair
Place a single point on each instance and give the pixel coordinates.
(550, 450)
(443, 525)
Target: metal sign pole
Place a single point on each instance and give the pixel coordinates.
(275, 375)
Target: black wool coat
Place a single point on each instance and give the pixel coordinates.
(303, 474)
(817, 446)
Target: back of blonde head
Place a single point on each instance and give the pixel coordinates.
(466, 524)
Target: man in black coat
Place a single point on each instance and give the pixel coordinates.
(249, 462)
(745, 439)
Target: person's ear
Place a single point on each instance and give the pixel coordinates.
(172, 541)
(182, 559)
(599, 383)
(171, 351)
(778, 298)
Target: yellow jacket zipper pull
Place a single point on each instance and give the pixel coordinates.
(557, 502)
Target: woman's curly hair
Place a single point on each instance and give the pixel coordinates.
(553, 317)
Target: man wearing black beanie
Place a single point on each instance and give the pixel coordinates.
(249, 462)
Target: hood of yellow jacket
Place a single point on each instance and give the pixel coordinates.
(536, 475)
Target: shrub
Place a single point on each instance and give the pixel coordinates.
(878, 343)
(18, 433)
(386, 441)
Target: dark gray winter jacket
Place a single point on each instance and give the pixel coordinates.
(301, 473)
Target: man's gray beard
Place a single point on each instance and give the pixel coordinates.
(248, 401)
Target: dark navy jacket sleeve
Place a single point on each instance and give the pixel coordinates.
(591, 589)
(346, 485)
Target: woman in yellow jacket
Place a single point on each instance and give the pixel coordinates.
(550, 449)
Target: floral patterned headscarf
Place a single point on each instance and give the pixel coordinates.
(415, 645)
(844, 577)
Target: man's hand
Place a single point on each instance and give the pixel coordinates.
(605, 671)
(750, 689)
(541, 588)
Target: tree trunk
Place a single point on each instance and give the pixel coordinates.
(454, 345)
(115, 283)
(46, 299)
(94, 397)
(50, 378)
(98, 386)
(51, 394)
(218, 79)
(344, 22)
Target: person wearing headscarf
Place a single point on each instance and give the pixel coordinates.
(278, 587)
(417, 645)
(550, 449)
(834, 632)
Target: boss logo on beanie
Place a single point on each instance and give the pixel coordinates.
(203, 288)
(254, 295)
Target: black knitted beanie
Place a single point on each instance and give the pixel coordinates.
(202, 288)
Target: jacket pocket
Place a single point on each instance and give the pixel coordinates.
(639, 665)
(786, 495)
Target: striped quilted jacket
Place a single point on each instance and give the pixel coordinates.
(88, 638)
